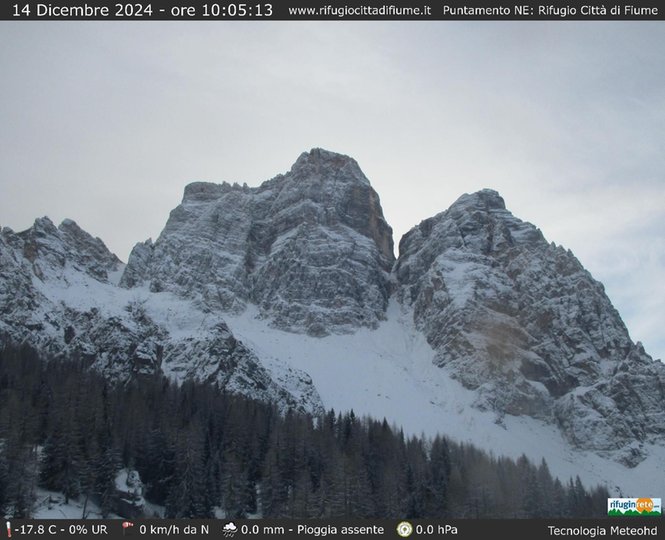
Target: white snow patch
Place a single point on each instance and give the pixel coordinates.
(81, 292)
(52, 505)
(129, 487)
(115, 276)
(154, 510)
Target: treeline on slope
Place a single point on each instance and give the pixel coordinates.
(67, 429)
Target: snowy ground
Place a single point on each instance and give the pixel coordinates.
(52, 505)
(388, 373)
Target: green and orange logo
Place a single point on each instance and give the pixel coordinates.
(643, 506)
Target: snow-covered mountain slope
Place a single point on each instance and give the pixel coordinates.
(57, 297)
(389, 373)
(289, 292)
(311, 248)
(521, 322)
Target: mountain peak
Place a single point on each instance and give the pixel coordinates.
(321, 155)
(68, 223)
(48, 246)
(487, 199)
(43, 225)
(202, 191)
(327, 165)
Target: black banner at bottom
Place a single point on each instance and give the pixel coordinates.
(336, 529)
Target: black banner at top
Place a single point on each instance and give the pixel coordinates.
(330, 10)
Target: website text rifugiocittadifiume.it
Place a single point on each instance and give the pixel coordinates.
(386, 10)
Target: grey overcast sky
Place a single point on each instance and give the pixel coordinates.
(105, 123)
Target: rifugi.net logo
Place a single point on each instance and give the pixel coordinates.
(644, 506)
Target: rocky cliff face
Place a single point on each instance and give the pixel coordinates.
(56, 296)
(311, 248)
(520, 321)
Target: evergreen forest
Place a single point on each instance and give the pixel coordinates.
(201, 452)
